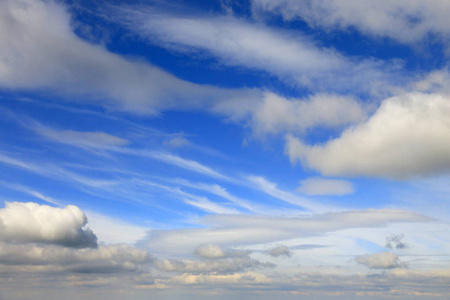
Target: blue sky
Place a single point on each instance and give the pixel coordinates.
(217, 149)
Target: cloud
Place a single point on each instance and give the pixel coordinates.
(214, 259)
(396, 242)
(40, 51)
(239, 279)
(31, 222)
(322, 186)
(92, 139)
(271, 189)
(279, 251)
(383, 260)
(37, 56)
(209, 251)
(240, 230)
(178, 142)
(115, 231)
(406, 21)
(32, 257)
(235, 42)
(407, 136)
(276, 114)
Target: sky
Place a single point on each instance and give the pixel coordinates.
(254, 149)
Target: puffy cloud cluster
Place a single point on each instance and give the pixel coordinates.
(383, 260)
(409, 135)
(41, 238)
(214, 259)
(34, 223)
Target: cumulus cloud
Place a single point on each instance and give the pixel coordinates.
(31, 222)
(407, 136)
(403, 20)
(383, 260)
(322, 186)
(279, 251)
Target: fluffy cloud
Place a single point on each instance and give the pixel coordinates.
(383, 260)
(276, 114)
(279, 251)
(403, 20)
(31, 222)
(407, 136)
(322, 186)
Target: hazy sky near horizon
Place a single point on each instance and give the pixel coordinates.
(224, 149)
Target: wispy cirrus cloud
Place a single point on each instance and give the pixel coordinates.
(407, 21)
(290, 55)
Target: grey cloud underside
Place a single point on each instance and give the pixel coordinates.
(32, 257)
(33, 223)
(408, 136)
(382, 260)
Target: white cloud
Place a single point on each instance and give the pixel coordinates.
(409, 135)
(209, 206)
(237, 279)
(383, 260)
(111, 230)
(40, 50)
(288, 55)
(178, 142)
(50, 258)
(276, 114)
(210, 251)
(31, 222)
(271, 189)
(240, 230)
(322, 186)
(93, 139)
(279, 251)
(403, 20)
